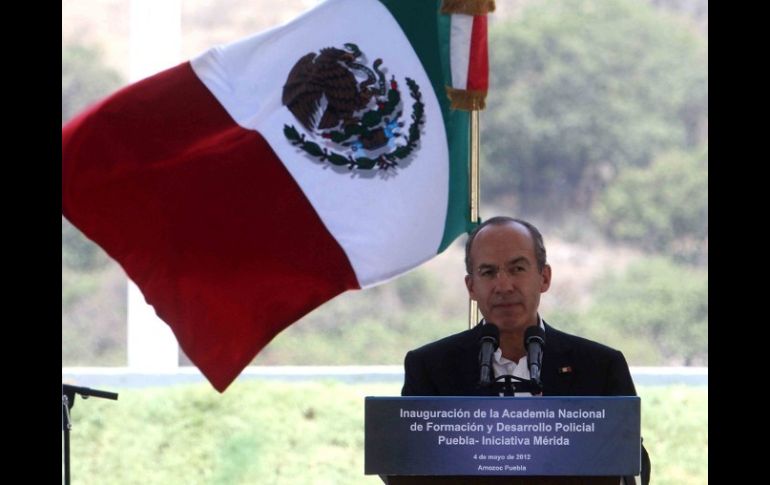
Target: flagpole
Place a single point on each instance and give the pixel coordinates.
(471, 68)
(475, 187)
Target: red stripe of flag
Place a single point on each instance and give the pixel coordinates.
(478, 65)
(202, 215)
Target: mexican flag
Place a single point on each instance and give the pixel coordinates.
(246, 187)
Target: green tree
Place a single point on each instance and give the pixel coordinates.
(663, 208)
(656, 312)
(580, 89)
(84, 78)
(77, 252)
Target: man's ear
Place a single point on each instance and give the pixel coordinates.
(469, 285)
(546, 278)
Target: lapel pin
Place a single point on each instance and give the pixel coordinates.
(565, 369)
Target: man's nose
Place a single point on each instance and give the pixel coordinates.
(504, 281)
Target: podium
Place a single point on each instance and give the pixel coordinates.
(482, 480)
(502, 440)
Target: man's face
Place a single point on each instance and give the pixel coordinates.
(505, 280)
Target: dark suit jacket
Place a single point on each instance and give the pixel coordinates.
(572, 366)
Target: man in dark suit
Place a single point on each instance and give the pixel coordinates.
(507, 272)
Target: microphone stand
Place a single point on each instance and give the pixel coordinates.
(67, 401)
(506, 386)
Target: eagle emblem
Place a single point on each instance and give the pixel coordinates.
(351, 109)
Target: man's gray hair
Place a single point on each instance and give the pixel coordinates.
(537, 239)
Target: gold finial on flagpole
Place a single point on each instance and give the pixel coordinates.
(468, 7)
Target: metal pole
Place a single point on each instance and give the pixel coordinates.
(66, 425)
(473, 308)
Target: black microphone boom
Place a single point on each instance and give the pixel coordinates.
(489, 341)
(534, 342)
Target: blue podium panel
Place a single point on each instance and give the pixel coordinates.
(597, 436)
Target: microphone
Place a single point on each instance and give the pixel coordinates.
(534, 341)
(490, 336)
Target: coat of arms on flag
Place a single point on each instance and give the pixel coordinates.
(363, 118)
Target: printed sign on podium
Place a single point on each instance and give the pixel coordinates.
(569, 436)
